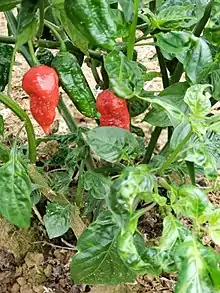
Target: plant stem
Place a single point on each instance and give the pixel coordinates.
(67, 116)
(8, 102)
(202, 23)
(41, 24)
(132, 31)
(175, 153)
(53, 29)
(33, 56)
(145, 44)
(154, 138)
(11, 70)
(51, 45)
(191, 170)
(157, 131)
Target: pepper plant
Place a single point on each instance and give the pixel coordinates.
(105, 178)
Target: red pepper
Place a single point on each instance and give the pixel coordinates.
(41, 83)
(113, 110)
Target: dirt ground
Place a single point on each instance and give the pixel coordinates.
(29, 262)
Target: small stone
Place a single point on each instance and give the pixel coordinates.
(34, 259)
(21, 281)
(38, 289)
(15, 288)
(48, 270)
(62, 282)
(18, 272)
(26, 289)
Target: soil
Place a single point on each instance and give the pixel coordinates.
(29, 261)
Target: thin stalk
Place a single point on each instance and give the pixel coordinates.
(32, 53)
(175, 153)
(154, 138)
(53, 29)
(132, 31)
(8, 102)
(67, 116)
(191, 170)
(146, 44)
(41, 22)
(50, 45)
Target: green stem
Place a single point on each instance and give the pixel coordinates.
(175, 153)
(51, 45)
(191, 170)
(11, 70)
(95, 73)
(145, 44)
(202, 23)
(31, 50)
(53, 29)
(67, 116)
(157, 131)
(41, 24)
(151, 146)
(132, 31)
(8, 102)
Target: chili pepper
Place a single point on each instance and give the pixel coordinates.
(42, 84)
(113, 110)
(75, 84)
(5, 59)
(94, 20)
(44, 56)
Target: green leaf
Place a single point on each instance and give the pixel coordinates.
(198, 268)
(57, 219)
(173, 17)
(112, 144)
(1, 125)
(4, 153)
(192, 202)
(6, 5)
(198, 102)
(5, 60)
(27, 22)
(173, 42)
(212, 30)
(129, 252)
(133, 182)
(15, 186)
(214, 226)
(179, 134)
(125, 76)
(215, 82)
(128, 9)
(137, 106)
(97, 260)
(196, 58)
(97, 184)
(74, 34)
(174, 233)
(194, 53)
(173, 95)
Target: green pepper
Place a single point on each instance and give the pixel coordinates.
(74, 83)
(5, 59)
(44, 56)
(94, 20)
